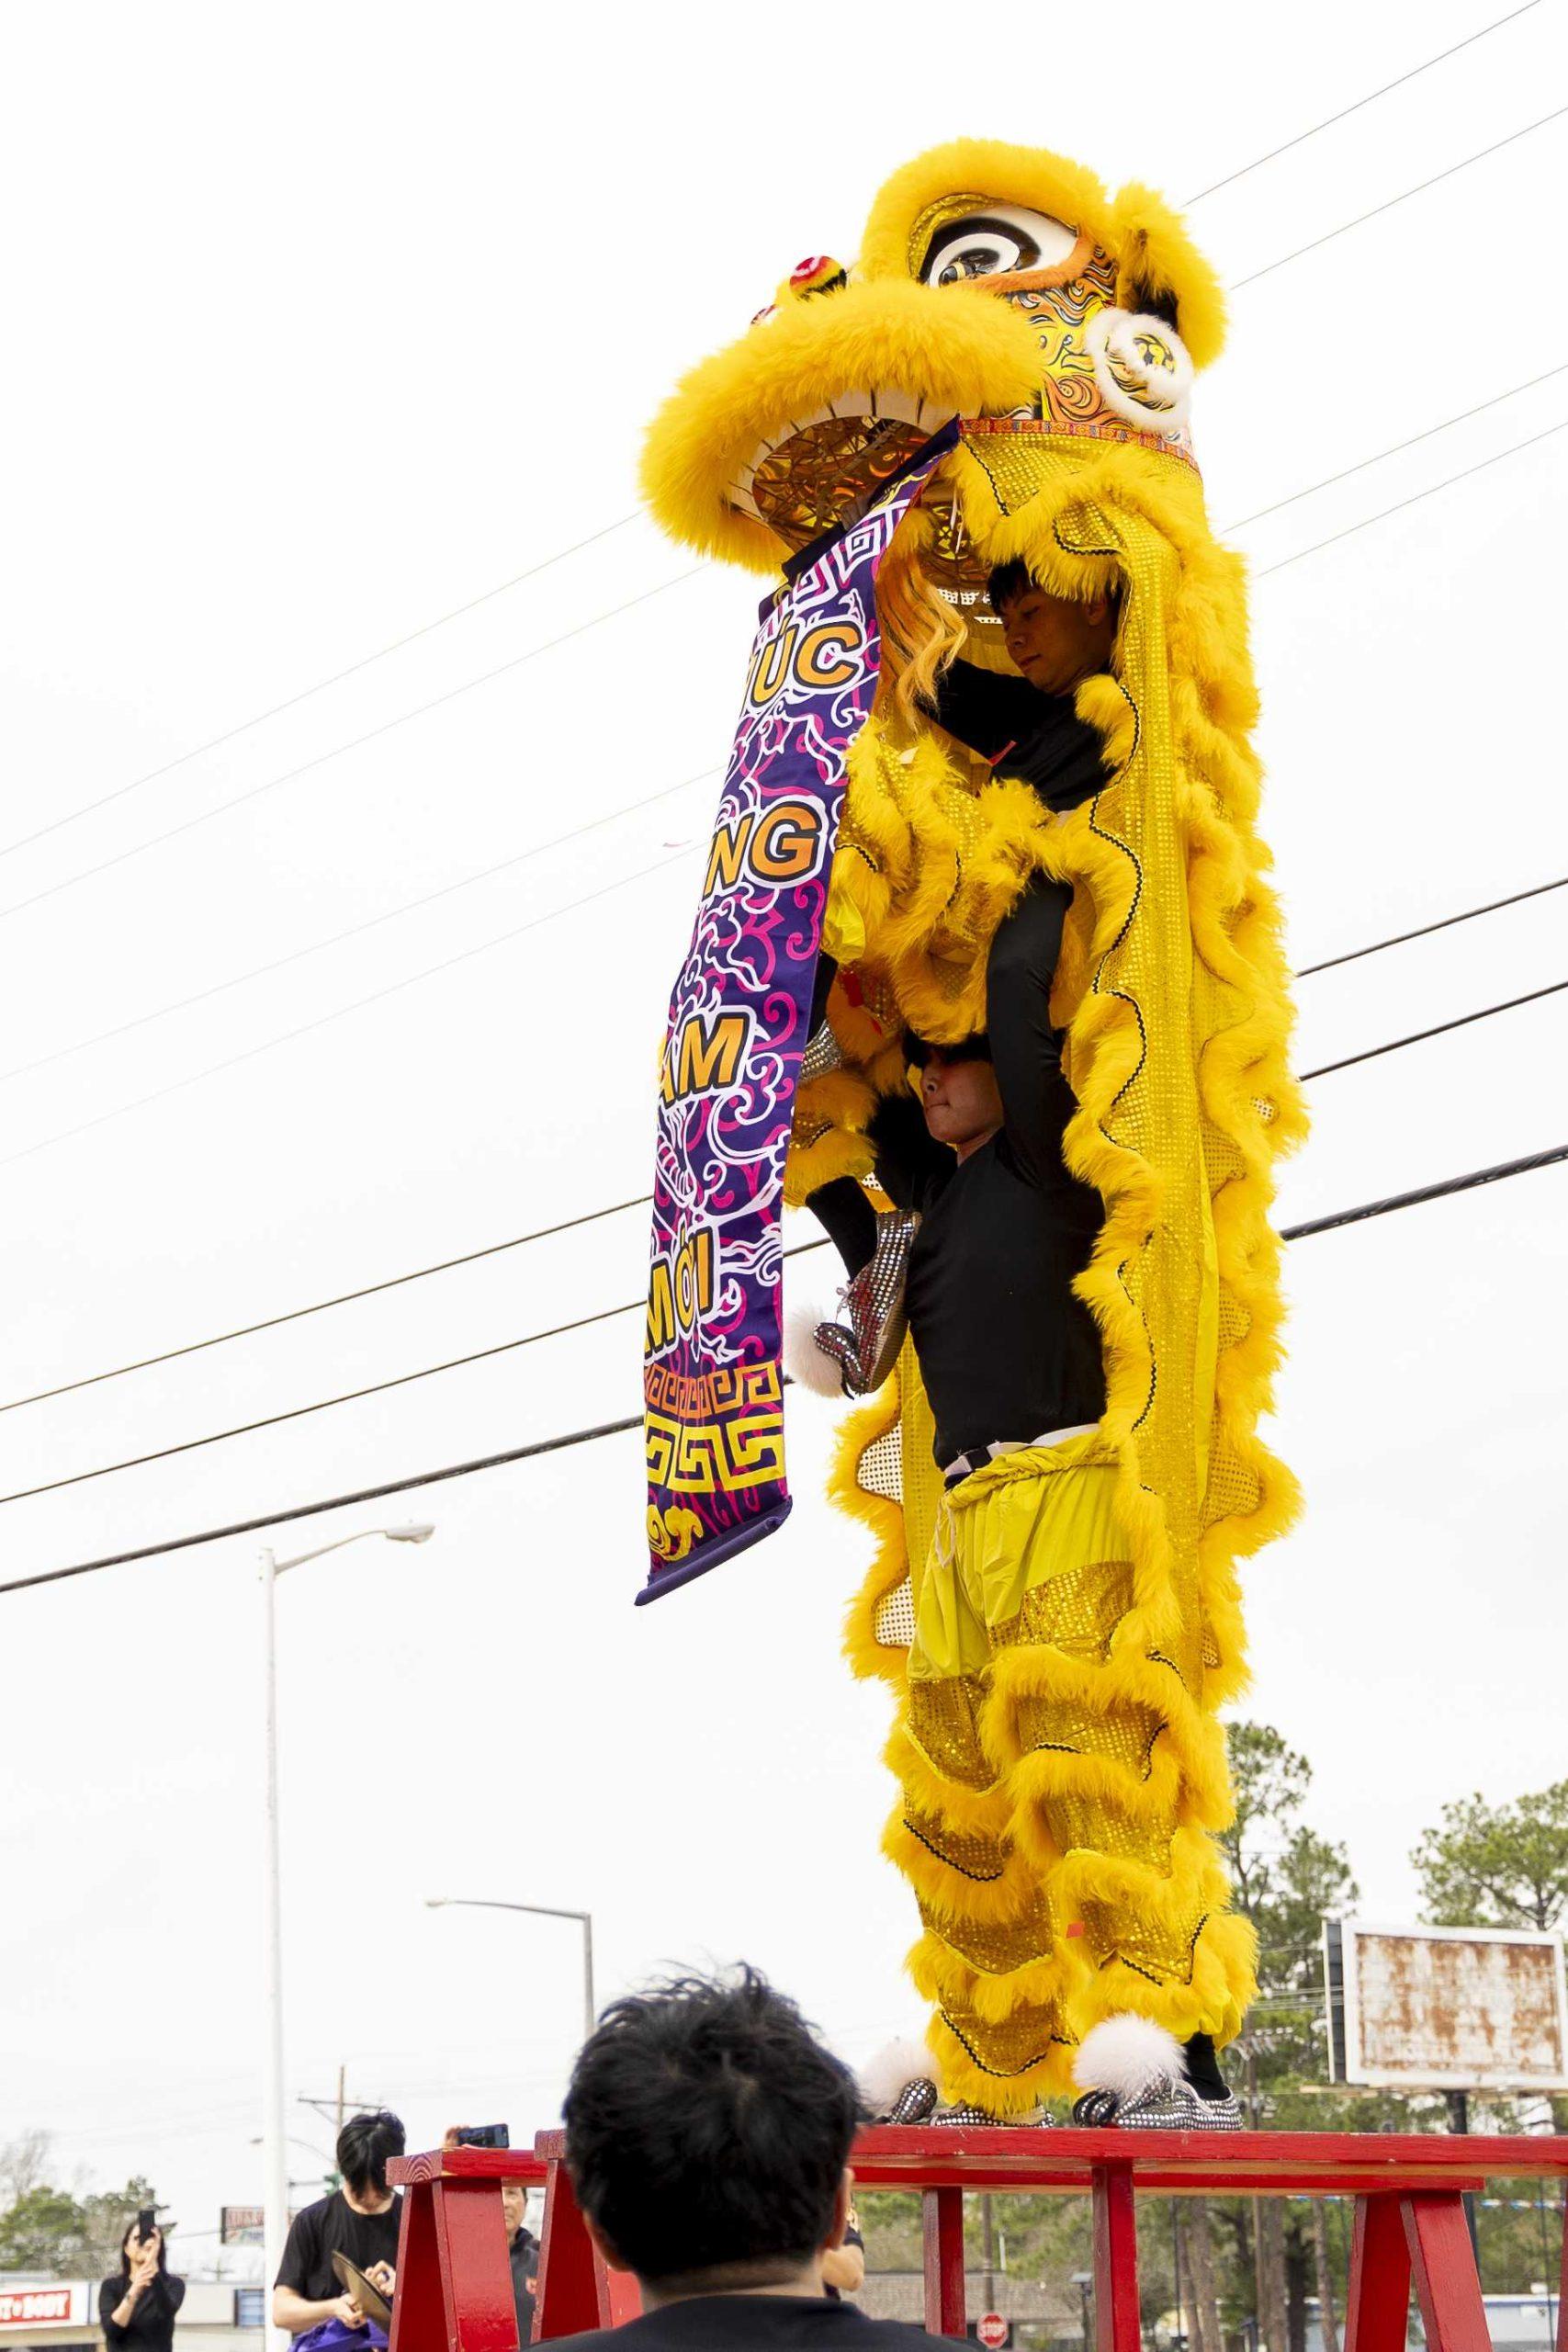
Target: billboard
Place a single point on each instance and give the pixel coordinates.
(1445, 2008)
(60, 2304)
(242, 2224)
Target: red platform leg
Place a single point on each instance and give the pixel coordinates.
(942, 2233)
(454, 2276)
(1446, 2282)
(1118, 2326)
(1377, 2307)
(567, 2299)
(418, 2307)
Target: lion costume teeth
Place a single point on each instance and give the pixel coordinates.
(1061, 1779)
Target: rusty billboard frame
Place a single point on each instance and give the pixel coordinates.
(1342, 1994)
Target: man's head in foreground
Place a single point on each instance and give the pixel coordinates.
(708, 2130)
(1053, 641)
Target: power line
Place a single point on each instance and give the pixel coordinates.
(357, 742)
(262, 971)
(306, 694)
(307, 1028)
(1440, 1191)
(1423, 931)
(410, 906)
(1417, 1037)
(343, 1298)
(355, 930)
(292, 702)
(641, 1200)
(1398, 83)
(142, 1102)
(1447, 483)
(1363, 463)
(1403, 197)
(606, 1314)
(355, 1395)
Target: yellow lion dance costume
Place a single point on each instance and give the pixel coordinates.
(1060, 1630)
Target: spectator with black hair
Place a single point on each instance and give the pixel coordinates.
(708, 2134)
(359, 2220)
(137, 2304)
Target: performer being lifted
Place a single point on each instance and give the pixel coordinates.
(989, 1229)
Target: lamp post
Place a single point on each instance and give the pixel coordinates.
(275, 2163)
(539, 1911)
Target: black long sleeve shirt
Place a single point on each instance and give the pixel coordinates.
(150, 2328)
(1022, 732)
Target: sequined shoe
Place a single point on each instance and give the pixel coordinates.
(865, 1346)
(916, 2102)
(823, 1053)
(1170, 2106)
(1132, 2074)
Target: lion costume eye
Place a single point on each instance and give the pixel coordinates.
(996, 243)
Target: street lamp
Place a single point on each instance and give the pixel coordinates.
(275, 2172)
(540, 1911)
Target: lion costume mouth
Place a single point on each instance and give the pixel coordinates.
(817, 472)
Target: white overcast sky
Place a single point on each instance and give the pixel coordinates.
(321, 321)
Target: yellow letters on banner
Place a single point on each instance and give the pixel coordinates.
(679, 1290)
(780, 844)
(704, 1057)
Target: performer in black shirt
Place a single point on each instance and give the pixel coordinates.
(137, 2305)
(360, 2220)
(1008, 1353)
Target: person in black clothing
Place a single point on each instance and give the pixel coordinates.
(137, 2304)
(843, 2266)
(523, 2247)
(1007, 1352)
(359, 2220)
(708, 2134)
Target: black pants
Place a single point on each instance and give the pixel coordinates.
(1025, 1052)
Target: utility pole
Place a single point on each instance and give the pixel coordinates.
(987, 2253)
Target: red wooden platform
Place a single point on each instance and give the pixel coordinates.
(455, 2282)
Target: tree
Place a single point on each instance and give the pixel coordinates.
(44, 2230)
(1497, 1866)
(1285, 1877)
(49, 2230)
(23, 2164)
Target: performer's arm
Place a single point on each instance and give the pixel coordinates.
(1026, 1051)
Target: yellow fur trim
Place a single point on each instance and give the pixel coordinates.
(1146, 240)
(962, 350)
(838, 1151)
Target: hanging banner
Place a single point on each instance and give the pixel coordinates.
(713, 1379)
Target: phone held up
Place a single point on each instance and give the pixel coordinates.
(146, 2222)
(483, 2135)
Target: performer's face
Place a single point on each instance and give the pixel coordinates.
(1056, 641)
(962, 1101)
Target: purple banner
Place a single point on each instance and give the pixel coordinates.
(712, 1380)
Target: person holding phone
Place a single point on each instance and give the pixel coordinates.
(359, 2220)
(137, 2303)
